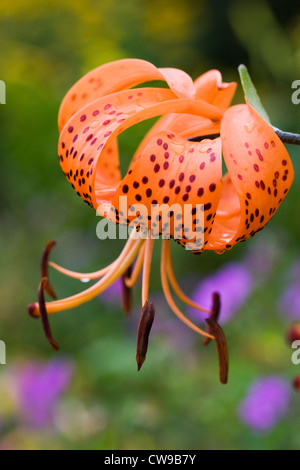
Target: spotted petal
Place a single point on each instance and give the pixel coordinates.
(260, 174)
(181, 175)
(92, 129)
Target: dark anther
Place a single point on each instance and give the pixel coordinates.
(215, 314)
(44, 268)
(126, 292)
(144, 329)
(44, 315)
(203, 137)
(221, 348)
(293, 333)
(296, 383)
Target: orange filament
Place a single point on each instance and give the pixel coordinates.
(119, 267)
(147, 268)
(131, 281)
(168, 295)
(175, 286)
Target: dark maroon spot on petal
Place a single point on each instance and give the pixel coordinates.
(192, 178)
(156, 168)
(166, 199)
(202, 166)
(136, 184)
(185, 197)
(248, 195)
(259, 155)
(71, 129)
(181, 158)
(149, 192)
(145, 180)
(125, 188)
(212, 187)
(181, 177)
(159, 141)
(171, 184)
(200, 192)
(166, 165)
(152, 158)
(256, 167)
(284, 162)
(207, 206)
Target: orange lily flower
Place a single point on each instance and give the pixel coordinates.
(169, 170)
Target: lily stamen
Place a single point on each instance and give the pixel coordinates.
(168, 295)
(182, 296)
(43, 314)
(123, 262)
(44, 269)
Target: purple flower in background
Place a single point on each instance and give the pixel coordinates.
(233, 282)
(266, 403)
(289, 301)
(39, 388)
(113, 294)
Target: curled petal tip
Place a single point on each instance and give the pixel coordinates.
(144, 329)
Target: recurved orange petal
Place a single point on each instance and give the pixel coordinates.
(181, 175)
(261, 174)
(95, 126)
(121, 75)
(209, 88)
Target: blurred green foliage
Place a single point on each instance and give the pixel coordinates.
(176, 401)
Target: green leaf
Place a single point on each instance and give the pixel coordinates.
(251, 93)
